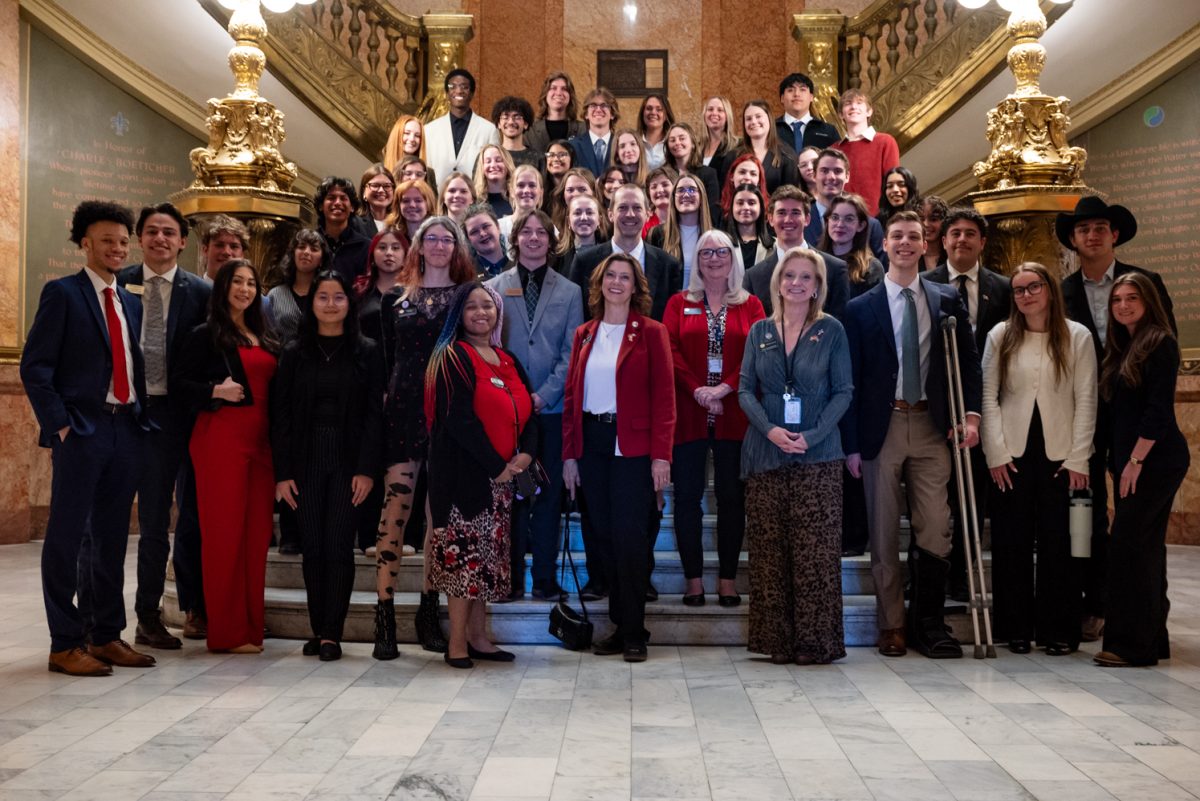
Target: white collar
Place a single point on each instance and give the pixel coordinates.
(596, 139)
(169, 275)
(893, 289)
(971, 274)
(867, 134)
(789, 119)
(1107, 278)
(98, 282)
(638, 252)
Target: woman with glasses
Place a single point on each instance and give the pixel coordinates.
(376, 188)
(437, 263)
(687, 219)
(777, 158)
(655, 117)
(708, 324)
(1039, 415)
(746, 222)
(560, 157)
(684, 155)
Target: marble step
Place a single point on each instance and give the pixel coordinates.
(526, 622)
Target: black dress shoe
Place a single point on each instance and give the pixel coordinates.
(1019, 646)
(490, 656)
(1059, 649)
(152, 632)
(514, 595)
(635, 651)
(593, 592)
(853, 551)
(459, 662)
(548, 592)
(694, 600)
(729, 600)
(330, 652)
(651, 593)
(612, 644)
(311, 647)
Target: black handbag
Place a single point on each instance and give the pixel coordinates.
(573, 630)
(532, 481)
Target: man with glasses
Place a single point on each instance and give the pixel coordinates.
(1094, 231)
(593, 148)
(453, 141)
(512, 116)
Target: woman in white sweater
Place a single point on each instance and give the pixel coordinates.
(1039, 413)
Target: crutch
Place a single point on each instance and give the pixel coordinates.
(981, 602)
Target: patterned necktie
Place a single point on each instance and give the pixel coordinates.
(154, 342)
(532, 293)
(599, 148)
(120, 374)
(965, 296)
(798, 135)
(910, 341)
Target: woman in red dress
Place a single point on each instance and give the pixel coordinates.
(225, 371)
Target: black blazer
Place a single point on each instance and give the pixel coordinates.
(200, 367)
(758, 283)
(1075, 299)
(664, 273)
(817, 133)
(995, 299)
(293, 396)
(538, 138)
(875, 365)
(1148, 410)
(188, 309)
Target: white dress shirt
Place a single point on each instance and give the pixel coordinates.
(1097, 294)
(924, 329)
(600, 373)
(639, 252)
(99, 285)
(972, 290)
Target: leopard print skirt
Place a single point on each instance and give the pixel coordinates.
(470, 558)
(794, 532)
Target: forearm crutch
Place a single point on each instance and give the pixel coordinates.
(980, 600)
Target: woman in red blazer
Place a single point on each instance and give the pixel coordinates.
(708, 323)
(618, 427)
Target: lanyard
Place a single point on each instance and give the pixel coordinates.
(788, 357)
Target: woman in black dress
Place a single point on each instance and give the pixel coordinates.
(436, 264)
(1149, 461)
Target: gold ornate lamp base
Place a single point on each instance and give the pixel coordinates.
(1022, 223)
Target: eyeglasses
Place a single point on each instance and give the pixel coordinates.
(381, 186)
(710, 253)
(598, 107)
(687, 190)
(558, 156)
(444, 241)
(1031, 290)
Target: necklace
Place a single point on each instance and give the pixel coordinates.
(329, 354)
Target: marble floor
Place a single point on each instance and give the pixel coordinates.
(691, 723)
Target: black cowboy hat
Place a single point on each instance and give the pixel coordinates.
(1093, 208)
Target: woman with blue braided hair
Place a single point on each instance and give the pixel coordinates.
(478, 404)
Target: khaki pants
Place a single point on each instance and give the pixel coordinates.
(914, 450)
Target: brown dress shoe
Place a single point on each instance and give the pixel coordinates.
(119, 653)
(195, 627)
(891, 642)
(77, 662)
(1092, 629)
(152, 632)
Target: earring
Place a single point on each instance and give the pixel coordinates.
(421, 268)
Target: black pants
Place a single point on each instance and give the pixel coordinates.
(689, 473)
(368, 514)
(189, 574)
(854, 513)
(535, 520)
(327, 523)
(1041, 605)
(1135, 623)
(620, 495)
(163, 449)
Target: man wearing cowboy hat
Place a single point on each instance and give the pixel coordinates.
(1093, 231)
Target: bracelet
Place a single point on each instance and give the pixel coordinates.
(1134, 460)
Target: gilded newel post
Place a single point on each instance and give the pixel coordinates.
(447, 35)
(818, 32)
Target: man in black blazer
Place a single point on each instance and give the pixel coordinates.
(628, 212)
(594, 147)
(788, 212)
(1094, 230)
(172, 303)
(988, 298)
(898, 424)
(797, 126)
(83, 372)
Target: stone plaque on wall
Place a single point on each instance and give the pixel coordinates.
(632, 73)
(87, 139)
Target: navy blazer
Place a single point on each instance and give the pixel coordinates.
(995, 299)
(757, 282)
(585, 156)
(875, 365)
(67, 363)
(664, 274)
(188, 309)
(817, 133)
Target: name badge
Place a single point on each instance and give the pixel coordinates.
(514, 292)
(715, 364)
(691, 311)
(135, 289)
(791, 410)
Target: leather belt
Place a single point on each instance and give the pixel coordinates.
(903, 406)
(606, 417)
(117, 408)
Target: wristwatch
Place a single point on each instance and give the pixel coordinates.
(1134, 460)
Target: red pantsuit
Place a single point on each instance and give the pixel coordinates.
(235, 490)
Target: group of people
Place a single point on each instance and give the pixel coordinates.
(503, 315)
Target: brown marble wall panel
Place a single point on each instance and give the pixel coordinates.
(757, 50)
(10, 171)
(24, 467)
(514, 41)
(1185, 517)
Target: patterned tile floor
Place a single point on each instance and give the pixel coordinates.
(691, 723)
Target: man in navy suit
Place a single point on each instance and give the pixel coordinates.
(797, 126)
(172, 303)
(594, 147)
(897, 425)
(83, 372)
(831, 172)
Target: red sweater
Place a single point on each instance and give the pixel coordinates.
(868, 162)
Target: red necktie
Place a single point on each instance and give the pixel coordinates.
(120, 376)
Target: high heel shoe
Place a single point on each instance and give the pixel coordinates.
(429, 627)
(385, 631)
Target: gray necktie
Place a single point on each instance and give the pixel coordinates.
(598, 147)
(910, 340)
(154, 343)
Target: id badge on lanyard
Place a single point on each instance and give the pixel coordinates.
(791, 408)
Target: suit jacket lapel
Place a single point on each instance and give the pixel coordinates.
(633, 332)
(513, 281)
(549, 287)
(883, 315)
(92, 302)
(179, 288)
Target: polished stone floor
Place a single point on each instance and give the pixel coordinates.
(691, 723)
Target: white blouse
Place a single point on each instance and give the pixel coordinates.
(600, 372)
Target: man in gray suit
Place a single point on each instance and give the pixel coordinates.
(542, 309)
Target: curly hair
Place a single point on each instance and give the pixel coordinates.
(94, 211)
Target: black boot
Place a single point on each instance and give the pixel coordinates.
(927, 628)
(429, 627)
(385, 630)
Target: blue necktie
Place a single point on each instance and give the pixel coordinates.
(910, 341)
(598, 148)
(798, 135)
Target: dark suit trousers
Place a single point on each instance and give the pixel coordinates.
(189, 574)
(91, 493)
(327, 521)
(163, 451)
(535, 520)
(620, 496)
